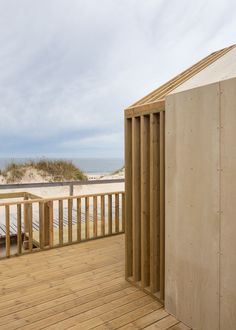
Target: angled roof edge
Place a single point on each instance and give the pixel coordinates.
(158, 95)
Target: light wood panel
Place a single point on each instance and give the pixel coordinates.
(227, 205)
(192, 207)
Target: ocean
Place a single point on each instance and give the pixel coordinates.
(87, 165)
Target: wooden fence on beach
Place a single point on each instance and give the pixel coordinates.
(43, 223)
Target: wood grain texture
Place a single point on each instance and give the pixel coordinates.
(192, 207)
(227, 205)
(78, 287)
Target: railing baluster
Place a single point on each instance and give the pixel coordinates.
(95, 216)
(30, 227)
(102, 212)
(51, 234)
(123, 212)
(87, 225)
(102, 215)
(7, 224)
(78, 219)
(41, 225)
(117, 213)
(109, 214)
(19, 231)
(69, 220)
(61, 224)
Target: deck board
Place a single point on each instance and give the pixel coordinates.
(80, 286)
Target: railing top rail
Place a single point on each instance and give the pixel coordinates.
(58, 184)
(49, 199)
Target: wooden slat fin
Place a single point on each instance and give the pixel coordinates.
(162, 205)
(154, 203)
(136, 212)
(128, 200)
(145, 202)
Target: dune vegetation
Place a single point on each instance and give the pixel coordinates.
(48, 170)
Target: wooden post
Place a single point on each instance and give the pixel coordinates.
(19, 230)
(109, 214)
(71, 189)
(26, 223)
(102, 215)
(61, 223)
(69, 220)
(30, 227)
(7, 224)
(51, 236)
(87, 222)
(117, 213)
(95, 219)
(78, 219)
(41, 225)
(46, 224)
(123, 211)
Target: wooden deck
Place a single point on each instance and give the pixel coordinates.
(81, 286)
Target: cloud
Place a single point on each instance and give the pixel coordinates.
(69, 68)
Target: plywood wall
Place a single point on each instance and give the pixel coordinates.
(200, 206)
(144, 166)
(228, 206)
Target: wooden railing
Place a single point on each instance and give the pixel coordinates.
(38, 224)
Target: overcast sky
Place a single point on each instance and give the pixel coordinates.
(68, 68)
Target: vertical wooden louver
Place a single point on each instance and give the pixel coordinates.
(144, 166)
